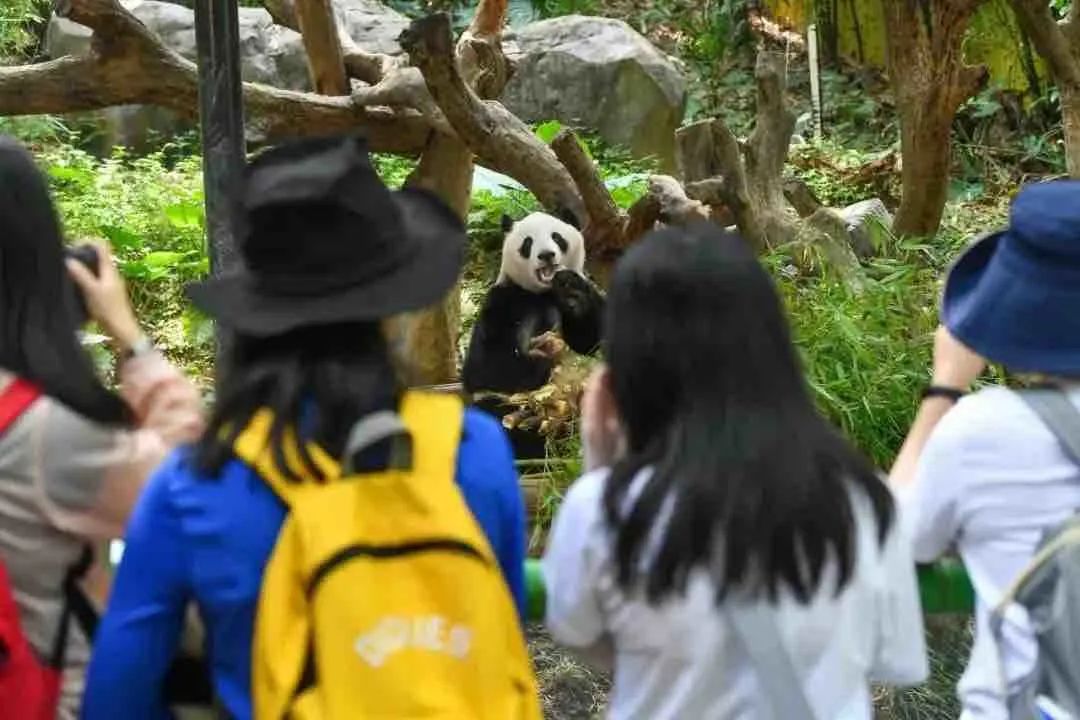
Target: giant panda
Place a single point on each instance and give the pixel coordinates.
(541, 289)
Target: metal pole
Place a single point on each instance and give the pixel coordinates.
(221, 122)
(815, 80)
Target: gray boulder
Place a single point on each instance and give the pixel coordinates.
(370, 24)
(598, 73)
(269, 53)
(868, 223)
(587, 72)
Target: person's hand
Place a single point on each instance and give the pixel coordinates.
(601, 430)
(955, 365)
(106, 297)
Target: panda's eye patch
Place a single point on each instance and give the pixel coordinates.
(560, 241)
(526, 248)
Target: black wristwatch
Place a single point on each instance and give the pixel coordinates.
(142, 346)
(943, 392)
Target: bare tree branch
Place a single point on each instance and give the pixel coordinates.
(599, 205)
(489, 18)
(495, 135)
(1055, 42)
(609, 230)
(127, 64)
(750, 173)
(480, 57)
(318, 27)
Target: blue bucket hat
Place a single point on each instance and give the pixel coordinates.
(1014, 296)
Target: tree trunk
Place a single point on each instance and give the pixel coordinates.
(1070, 117)
(446, 169)
(751, 172)
(429, 337)
(929, 81)
(926, 145)
(1059, 45)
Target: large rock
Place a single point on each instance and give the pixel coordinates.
(598, 73)
(592, 73)
(868, 221)
(372, 26)
(269, 53)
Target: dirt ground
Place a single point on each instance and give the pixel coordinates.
(569, 689)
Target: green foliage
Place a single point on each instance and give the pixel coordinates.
(556, 8)
(37, 130)
(866, 354)
(21, 24)
(151, 211)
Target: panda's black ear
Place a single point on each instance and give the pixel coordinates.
(507, 223)
(567, 216)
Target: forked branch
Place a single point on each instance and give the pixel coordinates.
(127, 64)
(496, 136)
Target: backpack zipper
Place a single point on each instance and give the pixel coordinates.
(384, 552)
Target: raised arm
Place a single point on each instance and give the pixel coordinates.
(139, 634)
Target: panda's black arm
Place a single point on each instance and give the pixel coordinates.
(581, 309)
(496, 359)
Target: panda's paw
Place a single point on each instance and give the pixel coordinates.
(572, 291)
(548, 346)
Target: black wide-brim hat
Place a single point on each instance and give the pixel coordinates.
(1014, 295)
(324, 241)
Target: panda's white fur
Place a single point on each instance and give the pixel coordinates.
(531, 237)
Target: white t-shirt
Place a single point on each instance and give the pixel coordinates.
(991, 482)
(682, 660)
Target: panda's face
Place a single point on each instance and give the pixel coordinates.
(536, 248)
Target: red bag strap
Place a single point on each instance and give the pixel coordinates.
(16, 399)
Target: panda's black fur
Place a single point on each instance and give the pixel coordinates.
(541, 287)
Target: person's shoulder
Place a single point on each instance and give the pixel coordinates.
(585, 495)
(481, 427)
(180, 476)
(992, 417)
(485, 458)
(176, 472)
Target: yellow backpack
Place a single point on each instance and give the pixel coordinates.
(382, 598)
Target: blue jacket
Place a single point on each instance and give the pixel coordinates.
(208, 540)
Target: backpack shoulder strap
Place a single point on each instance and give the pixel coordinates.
(1055, 409)
(252, 446)
(755, 624)
(435, 422)
(16, 399)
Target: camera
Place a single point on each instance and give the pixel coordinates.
(87, 255)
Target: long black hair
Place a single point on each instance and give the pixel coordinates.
(317, 380)
(39, 317)
(744, 475)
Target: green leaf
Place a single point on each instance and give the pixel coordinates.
(121, 238)
(163, 259)
(547, 131)
(185, 215)
(75, 175)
